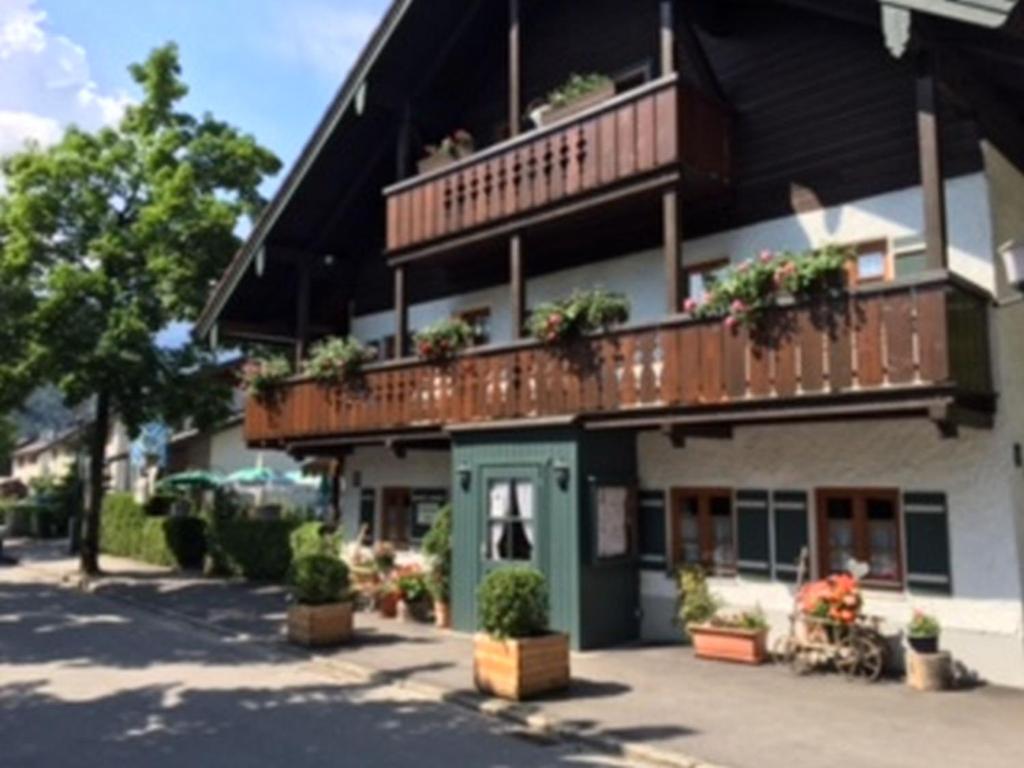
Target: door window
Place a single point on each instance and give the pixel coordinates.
(510, 521)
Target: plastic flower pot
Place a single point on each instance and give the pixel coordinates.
(744, 646)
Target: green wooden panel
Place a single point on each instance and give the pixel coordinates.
(789, 510)
(926, 519)
(652, 537)
(753, 538)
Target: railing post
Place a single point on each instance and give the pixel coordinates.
(668, 37)
(517, 286)
(514, 70)
(671, 214)
(401, 314)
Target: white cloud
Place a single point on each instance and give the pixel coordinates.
(45, 81)
(322, 35)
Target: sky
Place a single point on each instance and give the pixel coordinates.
(268, 66)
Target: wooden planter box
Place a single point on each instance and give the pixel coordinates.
(554, 114)
(744, 646)
(320, 625)
(520, 669)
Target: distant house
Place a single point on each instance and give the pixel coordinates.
(47, 457)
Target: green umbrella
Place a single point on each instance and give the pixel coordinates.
(193, 479)
(258, 476)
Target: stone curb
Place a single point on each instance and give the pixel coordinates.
(535, 724)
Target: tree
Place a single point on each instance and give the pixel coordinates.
(106, 239)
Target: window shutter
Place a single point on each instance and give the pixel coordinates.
(753, 545)
(926, 519)
(789, 509)
(652, 539)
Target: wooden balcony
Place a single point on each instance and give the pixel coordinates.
(661, 133)
(918, 347)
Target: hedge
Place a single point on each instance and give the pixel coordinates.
(34, 517)
(259, 550)
(170, 541)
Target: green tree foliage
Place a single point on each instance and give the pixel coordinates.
(108, 238)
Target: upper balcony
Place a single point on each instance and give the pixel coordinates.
(915, 347)
(658, 135)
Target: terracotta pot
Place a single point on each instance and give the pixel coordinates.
(387, 604)
(522, 668)
(442, 615)
(745, 646)
(320, 625)
(592, 99)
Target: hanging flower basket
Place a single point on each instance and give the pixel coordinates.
(582, 313)
(260, 377)
(335, 360)
(442, 341)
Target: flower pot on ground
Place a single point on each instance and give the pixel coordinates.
(437, 546)
(575, 95)
(515, 656)
(387, 601)
(728, 642)
(322, 613)
(414, 601)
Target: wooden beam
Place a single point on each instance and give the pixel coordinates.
(668, 37)
(929, 143)
(517, 286)
(672, 231)
(515, 99)
(401, 314)
(302, 311)
(404, 148)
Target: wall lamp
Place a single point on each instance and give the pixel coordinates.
(1013, 260)
(465, 474)
(561, 474)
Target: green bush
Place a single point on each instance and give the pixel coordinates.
(697, 604)
(126, 531)
(513, 603)
(16, 518)
(314, 539)
(319, 580)
(255, 549)
(437, 545)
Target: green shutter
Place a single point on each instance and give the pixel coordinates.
(653, 542)
(753, 545)
(367, 509)
(926, 520)
(789, 510)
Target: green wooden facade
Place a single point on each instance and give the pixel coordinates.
(596, 602)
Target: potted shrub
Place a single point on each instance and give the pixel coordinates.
(583, 312)
(741, 637)
(322, 612)
(335, 360)
(450, 149)
(437, 545)
(515, 656)
(414, 594)
(578, 93)
(923, 633)
(260, 376)
(441, 341)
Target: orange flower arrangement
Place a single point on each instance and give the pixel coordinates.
(837, 598)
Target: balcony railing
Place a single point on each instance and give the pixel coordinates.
(661, 126)
(888, 343)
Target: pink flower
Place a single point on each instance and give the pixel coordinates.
(744, 266)
(738, 307)
(767, 256)
(690, 306)
(731, 322)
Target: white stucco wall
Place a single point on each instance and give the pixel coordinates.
(229, 453)
(641, 276)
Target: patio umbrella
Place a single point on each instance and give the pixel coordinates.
(197, 479)
(258, 476)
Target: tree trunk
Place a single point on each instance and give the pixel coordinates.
(90, 553)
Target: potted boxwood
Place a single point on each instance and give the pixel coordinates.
(740, 637)
(322, 612)
(578, 93)
(515, 656)
(449, 150)
(437, 545)
(923, 633)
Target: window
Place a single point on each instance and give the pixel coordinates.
(510, 521)
(479, 320)
(872, 263)
(700, 278)
(652, 539)
(860, 525)
(395, 517)
(425, 505)
(703, 529)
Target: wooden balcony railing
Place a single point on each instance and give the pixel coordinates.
(661, 126)
(894, 342)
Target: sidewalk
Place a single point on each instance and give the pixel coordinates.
(656, 698)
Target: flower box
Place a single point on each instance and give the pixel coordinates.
(316, 626)
(521, 668)
(552, 115)
(744, 646)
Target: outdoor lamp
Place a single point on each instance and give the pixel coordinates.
(561, 474)
(465, 474)
(1013, 259)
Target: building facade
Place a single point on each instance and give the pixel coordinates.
(883, 424)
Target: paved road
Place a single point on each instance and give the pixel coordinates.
(92, 683)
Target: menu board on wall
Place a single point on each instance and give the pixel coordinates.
(612, 521)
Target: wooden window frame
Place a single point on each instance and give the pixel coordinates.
(881, 244)
(470, 315)
(398, 533)
(861, 543)
(701, 268)
(705, 531)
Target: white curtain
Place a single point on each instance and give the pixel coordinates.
(524, 497)
(500, 507)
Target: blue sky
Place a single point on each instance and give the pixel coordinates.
(268, 66)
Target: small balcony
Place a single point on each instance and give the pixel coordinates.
(660, 134)
(908, 348)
